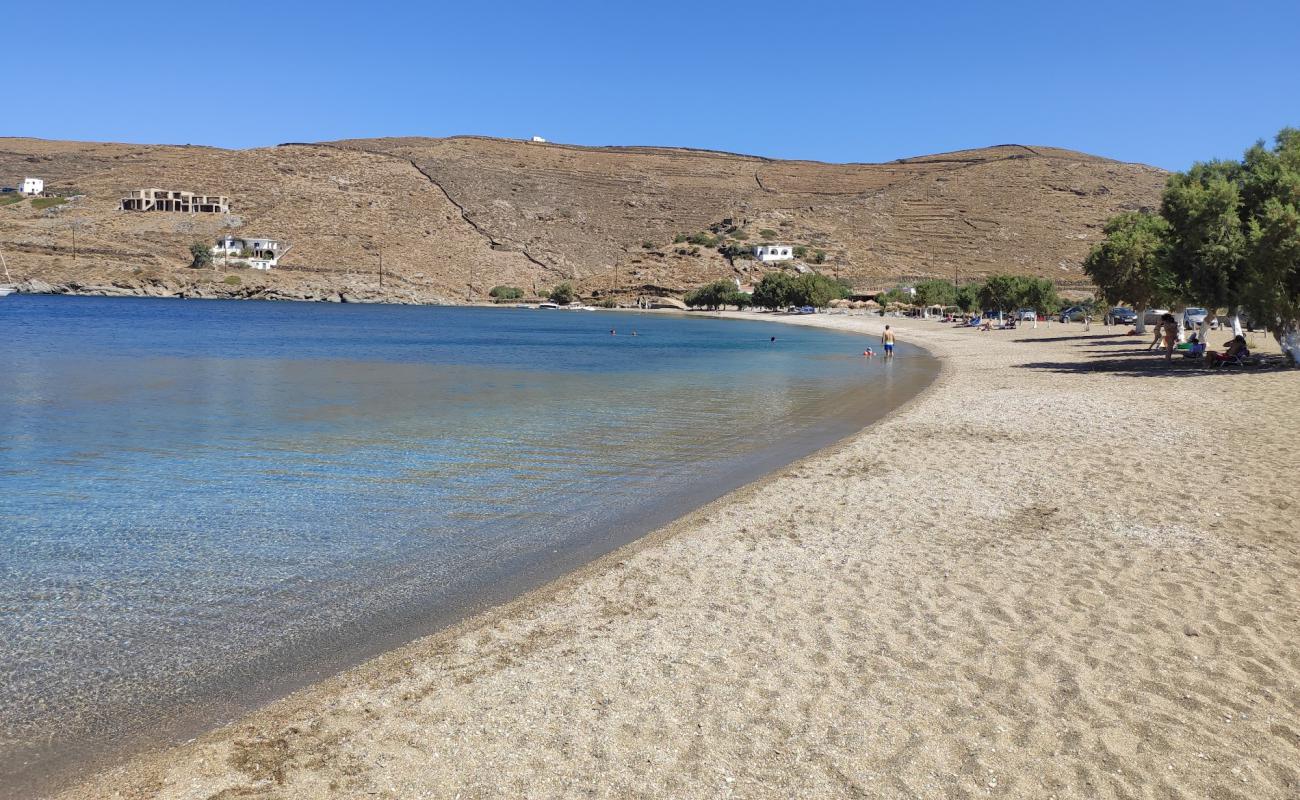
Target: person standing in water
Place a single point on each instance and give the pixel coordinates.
(887, 339)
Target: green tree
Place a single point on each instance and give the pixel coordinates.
(893, 296)
(741, 300)
(1205, 237)
(935, 293)
(812, 289)
(201, 255)
(967, 297)
(506, 292)
(712, 296)
(1131, 265)
(562, 294)
(1040, 295)
(775, 290)
(1003, 292)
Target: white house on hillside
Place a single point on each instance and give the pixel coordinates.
(31, 186)
(258, 252)
(538, 140)
(773, 252)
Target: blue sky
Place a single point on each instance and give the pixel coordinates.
(1164, 83)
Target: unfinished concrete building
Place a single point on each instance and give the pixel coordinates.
(175, 200)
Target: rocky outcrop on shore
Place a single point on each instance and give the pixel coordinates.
(213, 290)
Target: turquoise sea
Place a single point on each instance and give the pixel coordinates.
(204, 503)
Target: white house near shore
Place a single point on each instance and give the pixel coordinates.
(31, 186)
(773, 252)
(538, 140)
(258, 253)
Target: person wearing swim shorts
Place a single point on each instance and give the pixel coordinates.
(887, 338)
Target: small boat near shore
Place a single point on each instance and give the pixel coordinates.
(547, 305)
(5, 291)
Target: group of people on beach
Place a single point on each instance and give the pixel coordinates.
(1166, 335)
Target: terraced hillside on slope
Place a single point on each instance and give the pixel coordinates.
(449, 218)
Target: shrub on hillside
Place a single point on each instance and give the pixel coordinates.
(506, 292)
(562, 294)
(201, 255)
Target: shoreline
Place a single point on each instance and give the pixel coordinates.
(764, 646)
(210, 709)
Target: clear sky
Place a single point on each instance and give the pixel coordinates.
(1164, 83)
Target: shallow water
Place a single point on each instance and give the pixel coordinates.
(199, 498)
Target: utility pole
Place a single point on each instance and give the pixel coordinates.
(381, 263)
(8, 278)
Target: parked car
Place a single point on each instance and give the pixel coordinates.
(1072, 313)
(1119, 315)
(1193, 317)
(1027, 314)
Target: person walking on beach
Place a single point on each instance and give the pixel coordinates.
(1169, 326)
(887, 339)
(1160, 334)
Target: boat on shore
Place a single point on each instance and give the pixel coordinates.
(547, 305)
(6, 290)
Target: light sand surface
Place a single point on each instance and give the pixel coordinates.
(1060, 572)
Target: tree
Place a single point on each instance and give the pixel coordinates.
(967, 297)
(1233, 231)
(812, 289)
(1003, 292)
(775, 290)
(562, 294)
(1270, 206)
(935, 293)
(711, 296)
(741, 300)
(893, 296)
(1131, 265)
(506, 292)
(201, 254)
(1040, 295)
(1205, 235)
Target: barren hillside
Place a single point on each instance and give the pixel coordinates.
(449, 218)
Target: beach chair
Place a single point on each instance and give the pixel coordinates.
(1241, 359)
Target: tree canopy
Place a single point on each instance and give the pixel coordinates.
(201, 255)
(562, 294)
(506, 292)
(781, 289)
(1228, 235)
(935, 292)
(717, 295)
(1131, 265)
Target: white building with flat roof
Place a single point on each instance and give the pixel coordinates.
(31, 186)
(773, 252)
(257, 252)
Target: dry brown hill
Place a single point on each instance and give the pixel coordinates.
(453, 216)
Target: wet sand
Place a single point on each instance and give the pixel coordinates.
(984, 594)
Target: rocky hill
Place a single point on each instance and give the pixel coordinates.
(450, 218)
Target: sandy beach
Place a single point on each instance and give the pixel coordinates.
(1059, 572)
